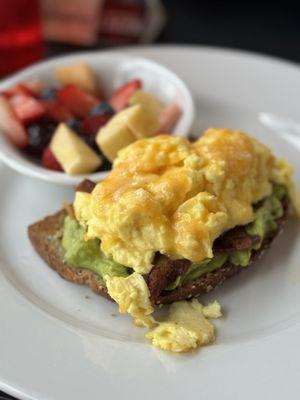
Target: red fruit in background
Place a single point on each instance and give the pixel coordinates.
(10, 125)
(31, 88)
(57, 111)
(26, 108)
(35, 87)
(49, 161)
(120, 98)
(169, 117)
(91, 125)
(76, 100)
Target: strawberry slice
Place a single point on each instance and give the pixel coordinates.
(35, 87)
(57, 111)
(120, 98)
(27, 108)
(168, 118)
(76, 100)
(91, 125)
(49, 161)
(32, 88)
(10, 125)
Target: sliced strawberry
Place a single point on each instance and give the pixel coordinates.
(91, 125)
(10, 125)
(120, 98)
(49, 161)
(168, 118)
(32, 88)
(35, 86)
(57, 111)
(76, 100)
(27, 108)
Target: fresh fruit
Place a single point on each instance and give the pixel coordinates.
(112, 138)
(102, 108)
(35, 86)
(76, 100)
(10, 125)
(91, 125)
(121, 97)
(57, 111)
(31, 88)
(26, 108)
(147, 100)
(39, 135)
(49, 161)
(169, 117)
(90, 140)
(74, 124)
(48, 93)
(80, 75)
(138, 119)
(74, 155)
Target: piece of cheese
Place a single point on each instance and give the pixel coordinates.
(80, 75)
(75, 156)
(113, 138)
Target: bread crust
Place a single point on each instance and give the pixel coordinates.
(45, 236)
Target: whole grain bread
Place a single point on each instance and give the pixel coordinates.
(46, 235)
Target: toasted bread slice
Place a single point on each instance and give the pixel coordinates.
(46, 236)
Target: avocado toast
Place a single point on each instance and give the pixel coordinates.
(171, 280)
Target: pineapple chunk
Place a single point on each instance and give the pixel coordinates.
(138, 119)
(148, 101)
(80, 75)
(124, 128)
(142, 122)
(112, 138)
(74, 155)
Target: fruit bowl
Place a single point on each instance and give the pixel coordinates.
(114, 68)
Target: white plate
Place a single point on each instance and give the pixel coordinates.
(57, 343)
(114, 69)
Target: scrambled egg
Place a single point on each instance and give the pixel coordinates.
(187, 326)
(132, 295)
(169, 195)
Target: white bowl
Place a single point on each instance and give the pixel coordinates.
(113, 69)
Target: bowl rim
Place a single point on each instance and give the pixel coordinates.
(26, 167)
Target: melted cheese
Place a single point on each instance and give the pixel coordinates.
(169, 195)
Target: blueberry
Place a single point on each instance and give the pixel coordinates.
(49, 93)
(90, 141)
(39, 135)
(106, 165)
(74, 124)
(102, 108)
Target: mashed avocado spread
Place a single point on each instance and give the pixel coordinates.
(86, 254)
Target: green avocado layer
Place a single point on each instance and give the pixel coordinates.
(86, 254)
(263, 224)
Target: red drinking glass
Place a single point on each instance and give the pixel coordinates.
(20, 34)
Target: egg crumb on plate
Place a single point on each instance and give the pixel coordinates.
(186, 327)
